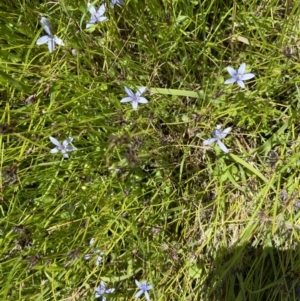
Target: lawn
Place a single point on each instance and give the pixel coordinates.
(181, 172)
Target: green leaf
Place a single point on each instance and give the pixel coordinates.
(195, 272)
(249, 167)
(18, 85)
(175, 92)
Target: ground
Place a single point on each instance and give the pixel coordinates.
(195, 222)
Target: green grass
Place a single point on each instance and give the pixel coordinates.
(198, 224)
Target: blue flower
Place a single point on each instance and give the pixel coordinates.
(101, 291)
(113, 2)
(135, 98)
(49, 38)
(143, 289)
(100, 254)
(238, 76)
(96, 16)
(63, 148)
(217, 135)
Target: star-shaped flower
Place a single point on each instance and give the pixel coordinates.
(100, 256)
(114, 2)
(217, 135)
(143, 289)
(96, 15)
(238, 76)
(63, 148)
(101, 291)
(135, 98)
(50, 39)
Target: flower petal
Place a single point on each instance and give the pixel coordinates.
(87, 256)
(51, 45)
(225, 132)
(126, 99)
(54, 150)
(44, 21)
(140, 91)
(242, 69)
(113, 2)
(102, 285)
(71, 148)
(241, 83)
(42, 40)
(218, 127)
(48, 31)
(247, 76)
(137, 283)
(102, 18)
(222, 146)
(67, 141)
(230, 81)
(101, 10)
(129, 92)
(58, 41)
(138, 294)
(231, 71)
(98, 260)
(91, 23)
(55, 141)
(66, 156)
(147, 296)
(149, 287)
(135, 105)
(143, 100)
(47, 25)
(209, 141)
(91, 8)
(109, 291)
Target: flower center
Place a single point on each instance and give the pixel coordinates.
(216, 134)
(102, 290)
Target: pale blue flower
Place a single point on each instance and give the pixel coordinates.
(99, 257)
(50, 39)
(239, 76)
(114, 2)
(217, 135)
(62, 147)
(143, 289)
(101, 291)
(96, 15)
(135, 98)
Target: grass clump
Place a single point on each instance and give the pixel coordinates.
(142, 198)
